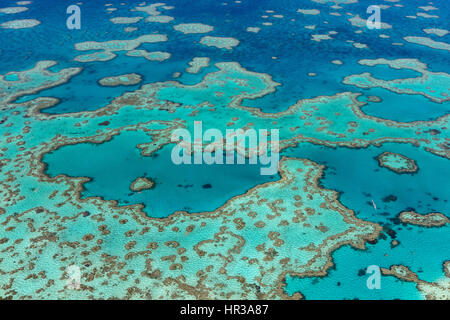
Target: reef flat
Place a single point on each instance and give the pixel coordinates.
(222, 243)
(439, 290)
(187, 28)
(434, 86)
(197, 64)
(20, 24)
(219, 42)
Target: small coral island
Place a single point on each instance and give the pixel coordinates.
(434, 219)
(141, 183)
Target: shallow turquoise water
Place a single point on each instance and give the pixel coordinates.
(360, 184)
